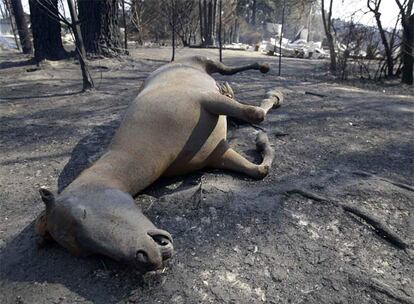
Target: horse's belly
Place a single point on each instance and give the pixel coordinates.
(206, 136)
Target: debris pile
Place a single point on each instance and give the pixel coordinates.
(299, 48)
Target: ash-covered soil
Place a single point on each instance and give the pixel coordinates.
(237, 240)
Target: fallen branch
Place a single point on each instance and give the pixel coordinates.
(389, 291)
(379, 226)
(280, 134)
(381, 287)
(315, 94)
(395, 183)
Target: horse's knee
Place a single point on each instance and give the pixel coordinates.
(254, 114)
(260, 171)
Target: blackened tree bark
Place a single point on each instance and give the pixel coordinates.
(22, 28)
(208, 11)
(205, 25)
(174, 21)
(408, 55)
(407, 44)
(220, 31)
(100, 27)
(200, 11)
(254, 10)
(209, 38)
(125, 26)
(47, 40)
(213, 23)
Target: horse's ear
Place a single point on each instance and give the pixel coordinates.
(41, 229)
(47, 197)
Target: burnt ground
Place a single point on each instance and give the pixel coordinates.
(237, 240)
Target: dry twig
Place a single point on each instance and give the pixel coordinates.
(315, 94)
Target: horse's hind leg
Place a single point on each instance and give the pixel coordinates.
(274, 99)
(223, 105)
(225, 157)
(212, 66)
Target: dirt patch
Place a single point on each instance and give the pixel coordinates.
(237, 240)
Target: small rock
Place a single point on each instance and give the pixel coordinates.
(410, 253)
(213, 212)
(206, 220)
(335, 286)
(101, 274)
(249, 260)
(177, 299)
(278, 274)
(19, 300)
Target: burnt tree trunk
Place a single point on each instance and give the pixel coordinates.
(213, 23)
(9, 14)
(47, 40)
(174, 16)
(125, 26)
(22, 28)
(200, 11)
(387, 48)
(208, 9)
(374, 7)
(254, 9)
(80, 48)
(99, 27)
(209, 40)
(236, 32)
(220, 32)
(327, 24)
(408, 51)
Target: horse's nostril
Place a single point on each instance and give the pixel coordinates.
(161, 240)
(165, 246)
(164, 242)
(142, 257)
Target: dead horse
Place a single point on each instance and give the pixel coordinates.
(176, 124)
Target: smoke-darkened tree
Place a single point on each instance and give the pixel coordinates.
(186, 24)
(374, 6)
(46, 30)
(207, 17)
(329, 31)
(407, 44)
(22, 27)
(100, 27)
(181, 17)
